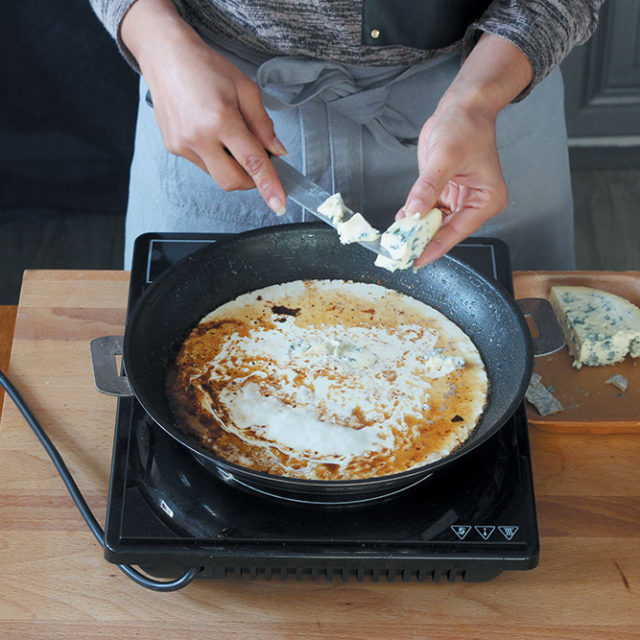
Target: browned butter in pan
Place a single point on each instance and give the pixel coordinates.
(328, 380)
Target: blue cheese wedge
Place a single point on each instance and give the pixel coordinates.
(356, 229)
(600, 328)
(407, 238)
(333, 207)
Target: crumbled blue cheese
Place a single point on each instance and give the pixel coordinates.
(333, 207)
(618, 381)
(407, 238)
(356, 229)
(600, 328)
(437, 365)
(541, 398)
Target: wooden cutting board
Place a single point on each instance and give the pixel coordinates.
(590, 404)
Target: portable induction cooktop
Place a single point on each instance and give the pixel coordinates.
(167, 513)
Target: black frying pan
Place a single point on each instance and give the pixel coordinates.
(187, 291)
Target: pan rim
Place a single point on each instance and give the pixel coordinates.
(183, 438)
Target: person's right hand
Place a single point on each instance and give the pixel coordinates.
(208, 111)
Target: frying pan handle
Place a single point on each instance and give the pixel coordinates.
(546, 334)
(103, 357)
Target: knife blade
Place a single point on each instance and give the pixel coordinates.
(310, 196)
(306, 193)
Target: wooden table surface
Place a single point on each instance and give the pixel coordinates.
(56, 584)
(7, 323)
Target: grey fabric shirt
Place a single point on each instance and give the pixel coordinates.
(544, 30)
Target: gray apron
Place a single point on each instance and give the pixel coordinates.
(354, 130)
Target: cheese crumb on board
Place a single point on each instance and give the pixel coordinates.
(541, 398)
(406, 239)
(600, 328)
(356, 229)
(618, 381)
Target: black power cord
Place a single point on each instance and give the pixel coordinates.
(79, 500)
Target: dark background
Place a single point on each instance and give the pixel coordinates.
(67, 116)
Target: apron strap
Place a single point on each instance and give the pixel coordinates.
(291, 82)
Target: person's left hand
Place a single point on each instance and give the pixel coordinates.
(459, 171)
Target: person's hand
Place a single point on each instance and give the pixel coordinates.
(459, 172)
(208, 111)
(459, 168)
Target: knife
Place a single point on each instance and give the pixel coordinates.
(306, 193)
(310, 196)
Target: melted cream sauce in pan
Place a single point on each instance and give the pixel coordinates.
(328, 380)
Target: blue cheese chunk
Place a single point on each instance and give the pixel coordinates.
(407, 238)
(356, 229)
(600, 328)
(541, 398)
(333, 207)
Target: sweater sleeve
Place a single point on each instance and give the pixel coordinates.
(544, 30)
(111, 13)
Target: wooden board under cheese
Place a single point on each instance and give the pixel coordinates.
(590, 403)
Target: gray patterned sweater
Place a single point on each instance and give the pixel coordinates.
(544, 30)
